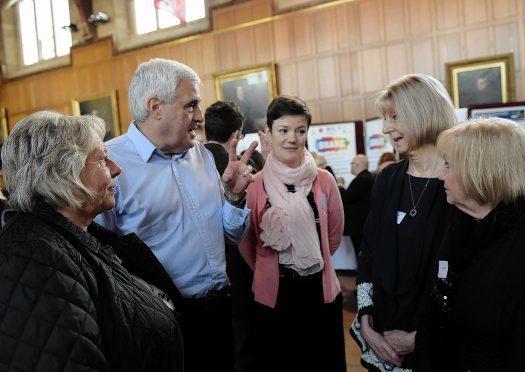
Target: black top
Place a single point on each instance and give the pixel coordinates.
(412, 254)
(356, 202)
(68, 304)
(386, 260)
(220, 155)
(483, 316)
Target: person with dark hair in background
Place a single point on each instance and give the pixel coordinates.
(173, 198)
(356, 200)
(296, 225)
(385, 159)
(223, 123)
(67, 302)
(404, 226)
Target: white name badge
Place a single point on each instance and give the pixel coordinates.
(400, 216)
(443, 269)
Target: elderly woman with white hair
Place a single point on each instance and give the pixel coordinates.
(67, 301)
(479, 293)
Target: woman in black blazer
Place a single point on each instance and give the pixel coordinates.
(405, 221)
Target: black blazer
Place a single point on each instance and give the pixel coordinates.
(356, 202)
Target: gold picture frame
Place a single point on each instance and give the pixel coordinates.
(3, 125)
(481, 80)
(104, 105)
(252, 89)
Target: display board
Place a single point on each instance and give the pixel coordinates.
(376, 143)
(514, 111)
(337, 142)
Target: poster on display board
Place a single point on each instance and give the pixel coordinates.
(337, 142)
(514, 111)
(376, 143)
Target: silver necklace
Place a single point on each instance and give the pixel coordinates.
(413, 211)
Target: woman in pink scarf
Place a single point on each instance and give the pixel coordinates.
(296, 225)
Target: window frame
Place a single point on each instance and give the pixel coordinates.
(128, 39)
(38, 36)
(120, 29)
(13, 64)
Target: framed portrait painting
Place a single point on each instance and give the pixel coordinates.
(252, 89)
(103, 105)
(481, 80)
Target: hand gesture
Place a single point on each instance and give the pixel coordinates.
(237, 175)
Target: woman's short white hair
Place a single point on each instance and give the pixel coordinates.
(44, 156)
(157, 78)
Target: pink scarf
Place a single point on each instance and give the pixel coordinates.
(288, 226)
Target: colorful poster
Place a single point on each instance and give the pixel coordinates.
(376, 143)
(337, 142)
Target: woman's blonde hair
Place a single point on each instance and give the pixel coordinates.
(422, 104)
(488, 156)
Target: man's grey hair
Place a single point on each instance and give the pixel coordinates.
(157, 78)
(44, 156)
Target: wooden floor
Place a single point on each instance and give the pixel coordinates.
(348, 287)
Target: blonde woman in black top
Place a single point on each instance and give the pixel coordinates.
(407, 208)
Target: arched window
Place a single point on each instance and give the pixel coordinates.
(41, 34)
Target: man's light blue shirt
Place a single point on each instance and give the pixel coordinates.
(176, 205)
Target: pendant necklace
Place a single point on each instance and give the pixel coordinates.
(413, 211)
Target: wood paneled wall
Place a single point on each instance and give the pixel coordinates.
(336, 56)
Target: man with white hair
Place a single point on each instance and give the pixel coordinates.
(171, 196)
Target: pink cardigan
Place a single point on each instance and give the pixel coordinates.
(265, 261)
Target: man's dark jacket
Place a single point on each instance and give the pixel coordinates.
(356, 202)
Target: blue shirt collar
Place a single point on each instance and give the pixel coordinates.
(144, 146)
